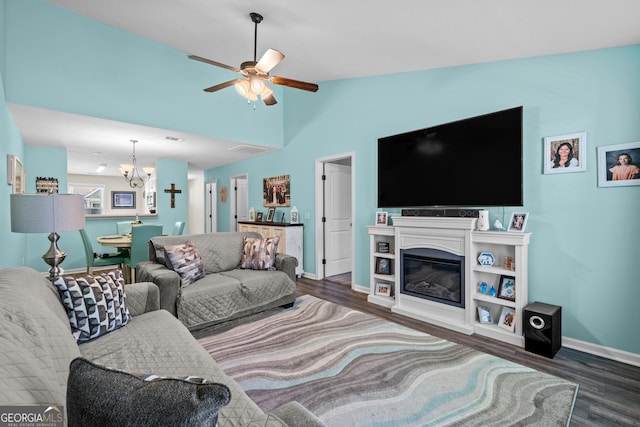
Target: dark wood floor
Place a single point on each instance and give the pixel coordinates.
(609, 391)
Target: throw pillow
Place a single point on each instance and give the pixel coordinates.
(95, 305)
(185, 260)
(260, 254)
(101, 396)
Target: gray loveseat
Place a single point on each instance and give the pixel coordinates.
(227, 292)
(36, 349)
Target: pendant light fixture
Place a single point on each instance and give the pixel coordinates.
(131, 173)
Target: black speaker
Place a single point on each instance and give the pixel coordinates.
(543, 329)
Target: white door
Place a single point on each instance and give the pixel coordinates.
(239, 201)
(338, 219)
(211, 207)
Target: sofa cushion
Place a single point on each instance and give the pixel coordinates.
(259, 254)
(95, 305)
(185, 260)
(125, 399)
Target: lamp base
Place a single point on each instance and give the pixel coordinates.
(54, 256)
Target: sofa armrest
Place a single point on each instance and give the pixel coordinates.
(142, 297)
(294, 414)
(167, 280)
(288, 264)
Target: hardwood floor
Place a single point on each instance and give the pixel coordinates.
(609, 391)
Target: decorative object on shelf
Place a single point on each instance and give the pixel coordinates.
(492, 291)
(123, 200)
(483, 220)
(48, 213)
(507, 288)
(382, 247)
(483, 288)
(508, 263)
(15, 174)
(270, 214)
(46, 185)
(259, 216)
(565, 153)
(131, 173)
(383, 289)
(486, 259)
(498, 225)
(277, 191)
(618, 165)
(507, 319)
(518, 221)
(173, 192)
(381, 218)
(484, 314)
(252, 214)
(294, 215)
(383, 266)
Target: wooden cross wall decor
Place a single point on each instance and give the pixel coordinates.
(173, 192)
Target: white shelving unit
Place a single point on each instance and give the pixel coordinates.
(382, 234)
(500, 244)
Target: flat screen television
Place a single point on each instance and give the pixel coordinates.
(474, 162)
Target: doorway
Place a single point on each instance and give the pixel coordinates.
(334, 217)
(238, 200)
(211, 209)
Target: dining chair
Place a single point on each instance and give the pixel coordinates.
(139, 251)
(178, 228)
(95, 260)
(123, 227)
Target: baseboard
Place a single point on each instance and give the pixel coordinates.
(599, 350)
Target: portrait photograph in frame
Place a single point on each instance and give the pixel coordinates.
(383, 289)
(518, 221)
(619, 165)
(123, 200)
(276, 191)
(507, 288)
(565, 153)
(381, 218)
(383, 266)
(507, 319)
(259, 216)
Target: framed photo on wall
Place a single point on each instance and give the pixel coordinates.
(123, 200)
(276, 191)
(619, 165)
(565, 153)
(518, 221)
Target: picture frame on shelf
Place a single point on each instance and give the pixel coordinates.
(611, 171)
(382, 218)
(123, 200)
(507, 288)
(484, 315)
(259, 216)
(270, 214)
(518, 221)
(383, 266)
(573, 146)
(382, 247)
(507, 319)
(383, 289)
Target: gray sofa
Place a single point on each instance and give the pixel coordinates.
(227, 292)
(36, 349)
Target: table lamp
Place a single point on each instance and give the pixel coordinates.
(47, 213)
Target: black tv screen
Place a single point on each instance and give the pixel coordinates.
(474, 162)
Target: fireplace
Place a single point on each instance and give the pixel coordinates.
(434, 275)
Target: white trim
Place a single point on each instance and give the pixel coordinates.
(599, 350)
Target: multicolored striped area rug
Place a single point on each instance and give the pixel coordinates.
(354, 369)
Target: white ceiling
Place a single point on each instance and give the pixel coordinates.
(329, 40)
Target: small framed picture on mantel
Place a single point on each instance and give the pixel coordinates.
(382, 219)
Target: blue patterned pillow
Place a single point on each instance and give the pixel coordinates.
(95, 305)
(185, 260)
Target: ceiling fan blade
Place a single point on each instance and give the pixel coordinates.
(222, 85)
(269, 99)
(270, 59)
(297, 84)
(210, 62)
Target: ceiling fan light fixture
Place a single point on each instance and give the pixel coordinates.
(244, 88)
(257, 84)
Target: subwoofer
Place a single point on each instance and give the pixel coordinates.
(543, 329)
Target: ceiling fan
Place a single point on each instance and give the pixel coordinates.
(256, 73)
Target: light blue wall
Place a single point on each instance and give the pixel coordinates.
(583, 251)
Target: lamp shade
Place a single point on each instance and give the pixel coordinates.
(46, 213)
